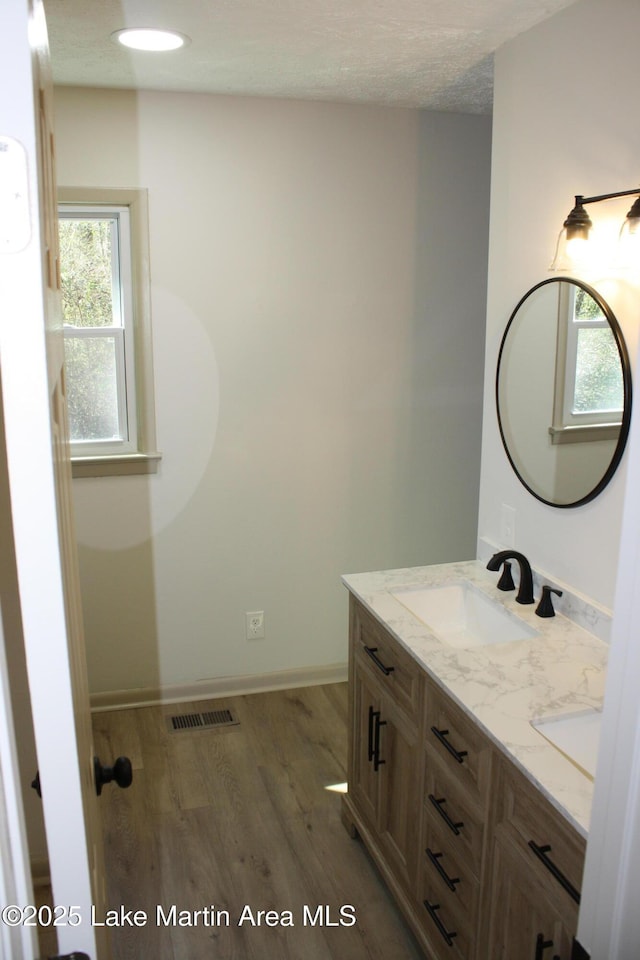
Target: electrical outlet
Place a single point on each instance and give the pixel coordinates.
(255, 624)
(508, 526)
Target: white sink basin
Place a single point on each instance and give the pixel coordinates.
(577, 736)
(461, 615)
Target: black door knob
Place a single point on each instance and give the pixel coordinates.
(71, 956)
(121, 772)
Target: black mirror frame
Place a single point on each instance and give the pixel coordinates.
(626, 382)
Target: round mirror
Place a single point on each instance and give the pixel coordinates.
(563, 392)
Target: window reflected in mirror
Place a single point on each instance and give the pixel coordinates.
(589, 390)
(563, 391)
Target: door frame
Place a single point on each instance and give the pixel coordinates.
(39, 481)
(16, 943)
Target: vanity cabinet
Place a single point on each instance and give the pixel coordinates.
(479, 861)
(537, 864)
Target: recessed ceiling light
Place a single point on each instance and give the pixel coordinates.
(158, 40)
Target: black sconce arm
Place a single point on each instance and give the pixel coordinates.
(607, 196)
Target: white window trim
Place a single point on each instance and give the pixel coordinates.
(569, 427)
(145, 457)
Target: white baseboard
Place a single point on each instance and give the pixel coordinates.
(218, 687)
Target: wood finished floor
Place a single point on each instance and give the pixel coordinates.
(241, 816)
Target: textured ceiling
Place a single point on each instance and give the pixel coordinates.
(435, 54)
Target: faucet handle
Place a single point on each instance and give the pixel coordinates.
(545, 607)
(506, 579)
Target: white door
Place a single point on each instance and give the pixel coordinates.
(32, 380)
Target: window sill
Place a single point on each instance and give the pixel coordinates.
(115, 466)
(592, 431)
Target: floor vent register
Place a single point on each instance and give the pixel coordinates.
(206, 720)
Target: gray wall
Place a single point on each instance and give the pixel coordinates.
(318, 322)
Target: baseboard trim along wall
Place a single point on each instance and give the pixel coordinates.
(214, 687)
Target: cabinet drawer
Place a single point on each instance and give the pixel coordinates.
(448, 932)
(447, 804)
(553, 850)
(447, 872)
(458, 742)
(398, 673)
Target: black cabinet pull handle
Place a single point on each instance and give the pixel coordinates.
(541, 946)
(541, 854)
(370, 736)
(447, 935)
(458, 755)
(435, 860)
(371, 652)
(454, 827)
(377, 762)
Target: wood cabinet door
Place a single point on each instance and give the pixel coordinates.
(524, 924)
(364, 783)
(384, 782)
(399, 811)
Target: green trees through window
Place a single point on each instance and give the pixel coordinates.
(86, 262)
(598, 373)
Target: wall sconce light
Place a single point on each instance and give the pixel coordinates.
(572, 245)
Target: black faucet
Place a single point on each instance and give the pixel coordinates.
(525, 591)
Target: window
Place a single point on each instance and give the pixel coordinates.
(95, 260)
(103, 250)
(589, 396)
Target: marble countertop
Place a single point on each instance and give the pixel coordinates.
(504, 686)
